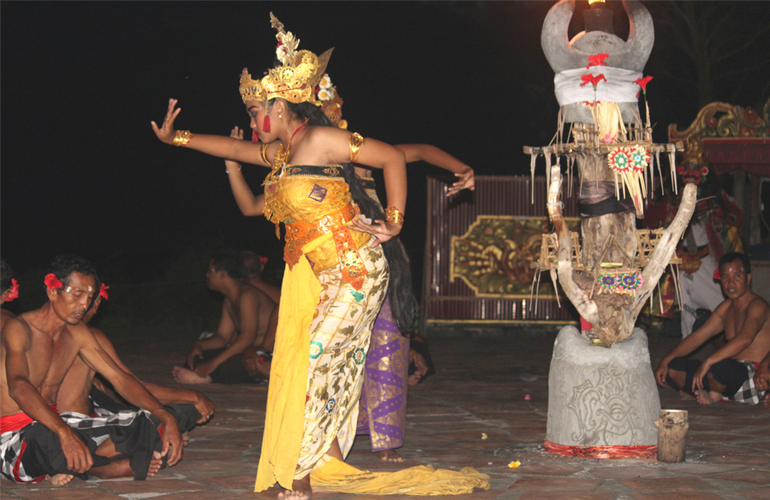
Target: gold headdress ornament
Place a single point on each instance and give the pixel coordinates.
(331, 102)
(251, 90)
(299, 73)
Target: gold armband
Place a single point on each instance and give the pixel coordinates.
(392, 214)
(263, 152)
(182, 137)
(356, 143)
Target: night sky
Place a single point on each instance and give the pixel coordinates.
(82, 171)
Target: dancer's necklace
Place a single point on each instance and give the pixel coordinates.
(283, 153)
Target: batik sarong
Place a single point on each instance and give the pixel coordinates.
(324, 328)
(382, 412)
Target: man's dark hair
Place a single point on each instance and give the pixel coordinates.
(230, 262)
(252, 266)
(64, 265)
(732, 257)
(6, 274)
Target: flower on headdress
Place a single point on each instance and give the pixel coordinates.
(14, 291)
(593, 80)
(642, 82)
(597, 60)
(717, 275)
(52, 282)
(262, 259)
(280, 52)
(103, 292)
(326, 94)
(325, 82)
(704, 171)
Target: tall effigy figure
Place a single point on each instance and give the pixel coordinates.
(602, 394)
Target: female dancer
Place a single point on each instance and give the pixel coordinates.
(382, 413)
(336, 276)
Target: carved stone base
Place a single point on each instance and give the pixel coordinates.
(599, 396)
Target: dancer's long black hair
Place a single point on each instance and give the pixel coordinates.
(402, 299)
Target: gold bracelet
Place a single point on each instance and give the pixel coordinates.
(392, 214)
(182, 137)
(263, 152)
(356, 143)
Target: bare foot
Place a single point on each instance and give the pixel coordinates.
(186, 438)
(767, 400)
(686, 395)
(389, 456)
(185, 376)
(707, 397)
(300, 490)
(61, 479)
(155, 463)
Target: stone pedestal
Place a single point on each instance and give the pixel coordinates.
(599, 396)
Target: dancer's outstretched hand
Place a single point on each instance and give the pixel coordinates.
(467, 181)
(166, 133)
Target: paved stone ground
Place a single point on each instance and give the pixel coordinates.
(480, 387)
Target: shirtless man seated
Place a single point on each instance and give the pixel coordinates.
(36, 350)
(729, 371)
(244, 323)
(79, 394)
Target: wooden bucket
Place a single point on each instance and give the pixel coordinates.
(672, 435)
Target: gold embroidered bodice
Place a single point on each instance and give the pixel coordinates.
(309, 194)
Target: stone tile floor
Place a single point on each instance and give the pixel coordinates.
(480, 387)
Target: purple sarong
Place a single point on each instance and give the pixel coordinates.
(382, 411)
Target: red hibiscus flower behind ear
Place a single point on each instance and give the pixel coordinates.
(52, 282)
(717, 275)
(103, 292)
(14, 291)
(597, 60)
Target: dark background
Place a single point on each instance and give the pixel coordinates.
(82, 171)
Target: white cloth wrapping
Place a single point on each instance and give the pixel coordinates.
(619, 87)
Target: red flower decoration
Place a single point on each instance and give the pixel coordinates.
(704, 171)
(593, 80)
(103, 292)
(680, 170)
(263, 259)
(717, 275)
(597, 60)
(52, 282)
(14, 291)
(642, 82)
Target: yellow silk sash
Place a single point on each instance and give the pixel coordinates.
(422, 480)
(284, 422)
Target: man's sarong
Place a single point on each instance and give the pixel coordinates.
(748, 392)
(29, 450)
(186, 415)
(382, 412)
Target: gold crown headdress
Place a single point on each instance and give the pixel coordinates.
(251, 90)
(299, 73)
